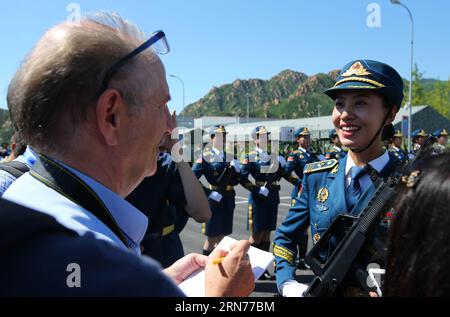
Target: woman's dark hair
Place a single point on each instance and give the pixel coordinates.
(388, 130)
(419, 243)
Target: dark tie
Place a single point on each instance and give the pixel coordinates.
(354, 190)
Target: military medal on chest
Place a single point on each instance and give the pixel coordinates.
(322, 197)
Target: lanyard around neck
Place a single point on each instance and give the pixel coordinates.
(66, 183)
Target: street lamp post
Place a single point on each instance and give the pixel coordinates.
(182, 84)
(411, 74)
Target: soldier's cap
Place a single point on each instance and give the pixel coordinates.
(440, 132)
(216, 129)
(398, 134)
(332, 133)
(301, 132)
(418, 132)
(370, 75)
(258, 131)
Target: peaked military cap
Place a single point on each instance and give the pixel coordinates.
(370, 75)
(301, 131)
(440, 132)
(332, 133)
(217, 129)
(398, 134)
(258, 131)
(418, 132)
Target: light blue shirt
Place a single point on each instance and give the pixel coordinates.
(29, 192)
(6, 179)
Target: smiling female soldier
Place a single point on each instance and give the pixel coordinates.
(367, 96)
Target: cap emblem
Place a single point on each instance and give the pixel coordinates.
(356, 69)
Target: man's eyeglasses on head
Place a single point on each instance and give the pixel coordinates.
(157, 41)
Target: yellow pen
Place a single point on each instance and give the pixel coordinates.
(218, 260)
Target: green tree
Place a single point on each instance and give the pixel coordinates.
(439, 97)
(418, 93)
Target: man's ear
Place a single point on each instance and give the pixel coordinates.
(108, 112)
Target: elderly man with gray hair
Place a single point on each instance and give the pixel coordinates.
(91, 99)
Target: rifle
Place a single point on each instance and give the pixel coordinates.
(330, 273)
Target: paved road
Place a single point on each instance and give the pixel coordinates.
(193, 239)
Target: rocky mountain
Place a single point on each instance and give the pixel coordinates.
(289, 94)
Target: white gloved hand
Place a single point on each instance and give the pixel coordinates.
(282, 161)
(215, 196)
(236, 165)
(264, 191)
(292, 288)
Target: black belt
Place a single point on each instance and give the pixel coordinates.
(63, 181)
(275, 185)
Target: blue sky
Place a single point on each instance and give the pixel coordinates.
(214, 42)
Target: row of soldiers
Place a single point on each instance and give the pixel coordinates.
(223, 172)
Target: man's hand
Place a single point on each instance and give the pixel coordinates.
(167, 142)
(236, 166)
(217, 197)
(185, 266)
(263, 191)
(233, 277)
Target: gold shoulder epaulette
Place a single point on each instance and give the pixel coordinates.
(320, 166)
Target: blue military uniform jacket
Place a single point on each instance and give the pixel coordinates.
(158, 197)
(321, 200)
(254, 163)
(334, 152)
(398, 155)
(222, 178)
(296, 162)
(213, 166)
(262, 211)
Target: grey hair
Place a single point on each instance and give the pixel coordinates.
(59, 81)
(116, 22)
